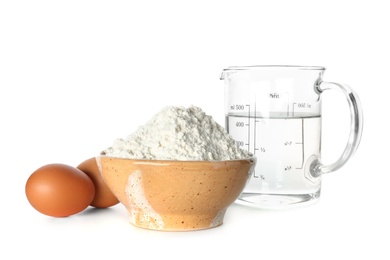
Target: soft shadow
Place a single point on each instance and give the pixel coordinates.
(95, 211)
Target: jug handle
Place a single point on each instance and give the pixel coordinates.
(356, 127)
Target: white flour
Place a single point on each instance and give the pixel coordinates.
(178, 133)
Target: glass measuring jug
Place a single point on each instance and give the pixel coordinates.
(275, 113)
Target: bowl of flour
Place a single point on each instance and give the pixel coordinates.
(178, 172)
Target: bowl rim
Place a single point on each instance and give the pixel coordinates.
(252, 159)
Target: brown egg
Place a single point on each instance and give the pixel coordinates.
(104, 198)
(59, 190)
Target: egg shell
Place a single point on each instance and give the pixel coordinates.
(59, 190)
(104, 198)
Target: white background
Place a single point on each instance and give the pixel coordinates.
(75, 75)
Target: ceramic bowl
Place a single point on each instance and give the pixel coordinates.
(175, 195)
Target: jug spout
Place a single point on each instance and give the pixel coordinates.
(223, 75)
(230, 70)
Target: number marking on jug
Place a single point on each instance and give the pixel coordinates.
(237, 107)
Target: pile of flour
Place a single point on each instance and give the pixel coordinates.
(178, 133)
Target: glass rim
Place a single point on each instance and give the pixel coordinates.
(280, 67)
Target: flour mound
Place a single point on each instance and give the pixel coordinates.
(178, 133)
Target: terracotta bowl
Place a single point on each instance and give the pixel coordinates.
(175, 195)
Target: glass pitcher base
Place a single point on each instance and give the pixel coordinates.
(277, 201)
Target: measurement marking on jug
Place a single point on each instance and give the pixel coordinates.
(237, 107)
(255, 133)
(302, 143)
(249, 126)
(288, 104)
(301, 106)
(261, 149)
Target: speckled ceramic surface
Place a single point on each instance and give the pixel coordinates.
(175, 195)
